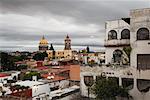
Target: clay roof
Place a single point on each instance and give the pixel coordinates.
(4, 75)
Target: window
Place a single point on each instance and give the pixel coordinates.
(125, 34)
(127, 83)
(88, 80)
(143, 62)
(112, 35)
(117, 56)
(143, 85)
(143, 34)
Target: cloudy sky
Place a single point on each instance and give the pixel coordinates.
(24, 22)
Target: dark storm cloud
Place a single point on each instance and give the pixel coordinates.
(82, 11)
(25, 21)
(27, 37)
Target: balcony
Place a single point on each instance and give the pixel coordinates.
(117, 43)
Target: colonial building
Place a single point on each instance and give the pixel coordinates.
(61, 54)
(127, 56)
(43, 44)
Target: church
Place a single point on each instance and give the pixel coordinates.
(64, 54)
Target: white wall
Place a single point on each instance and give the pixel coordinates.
(109, 53)
(118, 26)
(120, 73)
(139, 19)
(40, 91)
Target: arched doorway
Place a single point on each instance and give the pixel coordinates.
(117, 56)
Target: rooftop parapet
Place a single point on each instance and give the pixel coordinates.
(140, 12)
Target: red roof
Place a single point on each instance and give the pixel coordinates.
(4, 75)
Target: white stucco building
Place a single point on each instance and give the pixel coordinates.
(40, 90)
(131, 72)
(9, 75)
(117, 37)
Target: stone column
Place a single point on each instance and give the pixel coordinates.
(135, 83)
(120, 81)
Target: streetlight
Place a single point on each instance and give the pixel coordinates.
(89, 81)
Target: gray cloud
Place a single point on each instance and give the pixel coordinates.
(23, 22)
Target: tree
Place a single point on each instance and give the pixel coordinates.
(127, 50)
(87, 49)
(40, 56)
(108, 89)
(20, 67)
(20, 58)
(30, 74)
(83, 51)
(91, 62)
(6, 62)
(51, 47)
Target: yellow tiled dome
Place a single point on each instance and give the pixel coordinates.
(43, 41)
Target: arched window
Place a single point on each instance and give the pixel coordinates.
(112, 35)
(88, 80)
(117, 56)
(125, 34)
(128, 83)
(143, 85)
(143, 34)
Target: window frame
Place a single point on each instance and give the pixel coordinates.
(111, 33)
(124, 36)
(138, 35)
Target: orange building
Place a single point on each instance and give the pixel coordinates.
(74, 72)
(66, 72)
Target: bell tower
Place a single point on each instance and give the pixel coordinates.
(67, 43)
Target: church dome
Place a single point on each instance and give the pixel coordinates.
(43, 41)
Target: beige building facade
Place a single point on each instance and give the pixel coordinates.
(61, 54)
(135, 75)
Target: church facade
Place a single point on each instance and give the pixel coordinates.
(56, 54)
